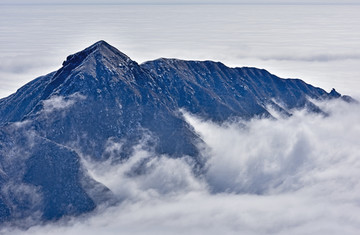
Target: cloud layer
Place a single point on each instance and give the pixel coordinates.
(289, 176)
(180, 2)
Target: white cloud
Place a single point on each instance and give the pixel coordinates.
(144, 175)
(57, 103)
(278, 156)
(291, 176)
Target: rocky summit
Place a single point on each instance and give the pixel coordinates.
(100, 96)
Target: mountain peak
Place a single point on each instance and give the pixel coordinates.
(101, 43)
(100, 49)
(334, 94)
(101, 46)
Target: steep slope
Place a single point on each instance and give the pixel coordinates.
(107, 95)
(42, 179)
(100, 97)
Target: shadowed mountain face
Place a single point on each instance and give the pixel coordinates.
(99, 97)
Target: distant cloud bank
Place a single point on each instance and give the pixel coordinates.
(179, 2)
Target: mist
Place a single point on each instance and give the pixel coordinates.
(295, 175)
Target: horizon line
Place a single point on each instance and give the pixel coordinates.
(175, 4)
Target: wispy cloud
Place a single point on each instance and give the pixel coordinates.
(58, 103)
(307, 58)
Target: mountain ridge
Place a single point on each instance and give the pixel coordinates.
(100, 97)
(75, 60)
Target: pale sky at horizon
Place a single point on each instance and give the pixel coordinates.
(281, 39)
(179, 2)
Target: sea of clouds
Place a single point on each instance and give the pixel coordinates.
(296, 175)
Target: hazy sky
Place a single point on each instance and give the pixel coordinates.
(180, 2)
(319, 44)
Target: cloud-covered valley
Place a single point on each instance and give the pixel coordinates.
(296, 175)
